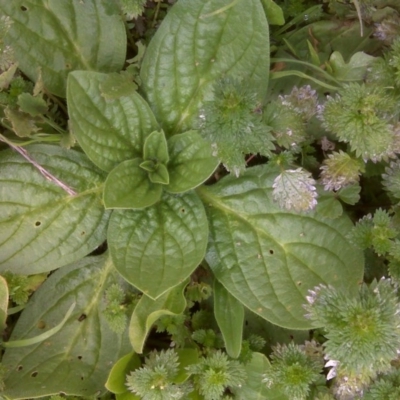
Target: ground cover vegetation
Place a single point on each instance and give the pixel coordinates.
(199, 199)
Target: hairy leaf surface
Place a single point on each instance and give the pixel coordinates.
(42, 227)
(159, 247)
(268, 258)
(63, 36)
(109, 131)
(78, 358)
(199, 42)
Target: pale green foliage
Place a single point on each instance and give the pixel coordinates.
(18, 287)
(154, 381)
(132, 8)
(115, 310)
(215, 373)
(339, 170)
(361, 116)
(368, 325)
(232, 123)
(292, 371)
(295, 190)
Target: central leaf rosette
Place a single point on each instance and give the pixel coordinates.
(139, 182)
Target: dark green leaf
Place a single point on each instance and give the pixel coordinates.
(148, 311)
(128, 186)
(42, 227)
(191, 162)
(77, 359)
(229, 314)
(157, 248)
(198, 42)
(60, 37)
(268, 258)
(111, 131)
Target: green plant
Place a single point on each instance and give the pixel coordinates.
(162, 186)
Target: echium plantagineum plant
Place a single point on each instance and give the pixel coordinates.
(129, 208)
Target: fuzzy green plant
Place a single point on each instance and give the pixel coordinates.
(292, 371)
(215, 373)
(376, 231)
(361, 115)
(154, 380)
(232, 123)
(363, 333)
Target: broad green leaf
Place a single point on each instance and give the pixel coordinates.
(43, 336)
(269, 258)
(77, 359)
(191, 161)
(199, 42)
(128, 186)
(116, 382)
(59, 37)
(116, 86)
(3, 303)
(109, 131)
(155, 147)
(229, 314)
(254, 388)
(148, 311)
(157, 248)
(42, 227)
(273, 12)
